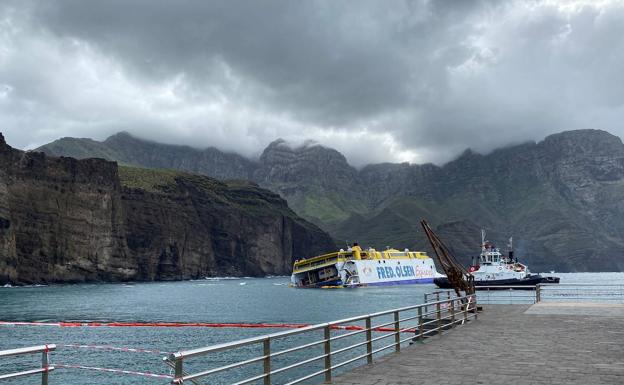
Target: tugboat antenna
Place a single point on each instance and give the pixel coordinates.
(482, 239)
(510, 251)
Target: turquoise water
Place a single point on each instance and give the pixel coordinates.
(267, 300)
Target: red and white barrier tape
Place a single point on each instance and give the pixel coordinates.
(114, 348)
(118, 371)
(185, 324)
(153, 324)
(15, 323)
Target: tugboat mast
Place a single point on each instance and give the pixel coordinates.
(510, 251)
(483, 240)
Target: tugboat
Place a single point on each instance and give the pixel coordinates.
(356, 267)
(495, 269)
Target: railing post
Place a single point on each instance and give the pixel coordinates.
(437, 295)
(421, 327)
(452, 313)
(397, 337)
(538, 293)
(177, 371)
(475, 306)
(465, 306)
(328, 374)
(45, 364)
(369, 343)
(439, 316)
(266, 348)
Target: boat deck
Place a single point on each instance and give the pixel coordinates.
(546, 343)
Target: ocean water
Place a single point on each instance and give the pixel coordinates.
(247, 300)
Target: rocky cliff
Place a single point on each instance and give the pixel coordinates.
(68, 220)
(128, 150)
(315, 179)
(560, 198)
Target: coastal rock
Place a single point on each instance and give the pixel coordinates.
(69, 220)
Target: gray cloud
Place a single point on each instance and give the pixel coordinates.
(378, 80)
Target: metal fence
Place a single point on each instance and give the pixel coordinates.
(544, 292)
(405, 325)
(609, 293)
(492, 295)
(45, 359)
(511, 295)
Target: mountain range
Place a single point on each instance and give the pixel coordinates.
(562, 199)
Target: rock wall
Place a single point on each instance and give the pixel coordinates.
(562, 199)
(68, 220)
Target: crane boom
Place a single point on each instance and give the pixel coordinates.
(458, 276)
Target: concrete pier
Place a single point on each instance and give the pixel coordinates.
(546, 343)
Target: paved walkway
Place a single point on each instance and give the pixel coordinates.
(513, 344)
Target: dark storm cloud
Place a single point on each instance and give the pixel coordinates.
(330, 60)
(379, 80)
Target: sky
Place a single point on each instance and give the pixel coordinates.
(381, 81)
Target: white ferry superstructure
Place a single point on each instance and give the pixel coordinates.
(356, 267)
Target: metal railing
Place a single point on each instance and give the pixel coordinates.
(45, 359)
(565, 292)
(511, 294)
(493, 294)
(543, 292)
(422, 322)
(439, 295)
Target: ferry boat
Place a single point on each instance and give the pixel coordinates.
(496, 269)
(357, 267)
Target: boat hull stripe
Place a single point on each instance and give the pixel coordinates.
(402, 282)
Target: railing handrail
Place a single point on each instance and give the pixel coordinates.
(555, 291)
(28, 350)
(249, 341)
(508, 287)
(581, 284)
(466, 304)
(45, 364)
